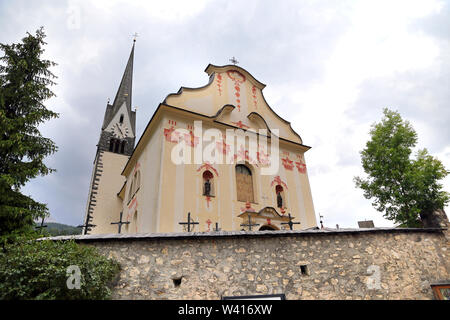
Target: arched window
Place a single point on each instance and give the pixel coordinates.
(244, 183)
(280, 196)
(208, 183)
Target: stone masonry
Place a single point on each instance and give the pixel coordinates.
(380, 263)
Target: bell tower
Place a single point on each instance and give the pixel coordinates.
(116, 144)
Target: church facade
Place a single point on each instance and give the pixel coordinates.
(211, 158)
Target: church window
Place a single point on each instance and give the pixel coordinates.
(208, 183)
(280, 196)
(244, 183)
(121, 118)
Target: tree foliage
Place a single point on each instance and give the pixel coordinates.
(32, 269)
(405, 189)
(25, 79)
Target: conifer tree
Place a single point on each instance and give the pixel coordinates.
(25, 78)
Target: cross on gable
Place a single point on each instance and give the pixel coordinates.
(189, 222)
(234, 61)
(120, 222)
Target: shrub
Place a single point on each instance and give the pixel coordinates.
(31, 269)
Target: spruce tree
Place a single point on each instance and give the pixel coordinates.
(25, 79)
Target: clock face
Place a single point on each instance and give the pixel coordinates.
(120, 130)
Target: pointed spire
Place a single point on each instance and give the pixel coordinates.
(125, 89)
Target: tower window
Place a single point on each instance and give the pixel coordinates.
(244, 183)
(122, 146)
(111, 145)
(121, 118)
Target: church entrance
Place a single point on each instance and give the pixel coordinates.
(267, 227)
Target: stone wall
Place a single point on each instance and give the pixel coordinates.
(339, 265)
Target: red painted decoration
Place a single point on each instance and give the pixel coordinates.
(223, 147)
(278, 180)
(171, 135)
(287, 164)
(269, 221)
(190, 139)
(248, 207)
(238, 78)
(208, 200)
(219, 83)
(241, 125)
(255, 100)
(301, 167)
(209, 224)
(207, 166)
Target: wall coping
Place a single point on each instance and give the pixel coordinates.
(237, 234)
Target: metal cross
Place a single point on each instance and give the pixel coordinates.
(188, 222)
(217, 227)
(87, 227)
(135, 35)
(249, 225)
(42, 225)
(234, 61)
(290, 223)
(120, 222)
(321, 222)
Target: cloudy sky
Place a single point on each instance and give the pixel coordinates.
(329, 66)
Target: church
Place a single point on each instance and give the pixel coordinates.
(212, 158)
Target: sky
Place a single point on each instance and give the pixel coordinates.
(330, 68)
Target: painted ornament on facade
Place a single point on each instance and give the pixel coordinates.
(222, 147)
(208, 222)
(219, 83)
(171, 135)
(287, 163)
(238, 78)
(190, 139)
(248, 208)
(243, 155)
(301, 166)
(277, 180)
(255, 99)
(208, 166)
(241, 125)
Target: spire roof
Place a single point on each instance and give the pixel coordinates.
(125, 89)
(123, 95)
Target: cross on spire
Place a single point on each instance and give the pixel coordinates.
(189, 222)
(135, 35)
(120, 222)
(234, 61)
(249, 225)
(290, 223)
